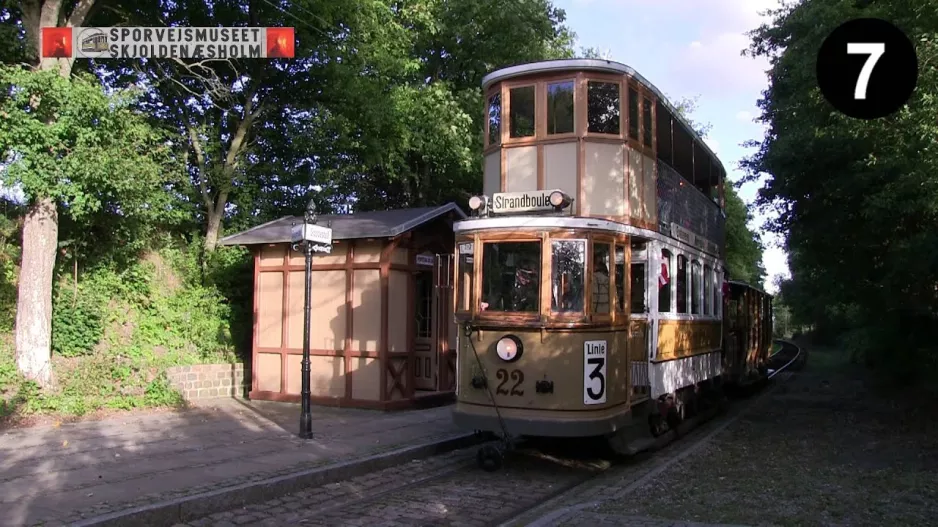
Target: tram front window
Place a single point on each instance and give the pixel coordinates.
(511, 276)
(569, 271)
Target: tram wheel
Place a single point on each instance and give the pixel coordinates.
(490, 458)
(674, 418)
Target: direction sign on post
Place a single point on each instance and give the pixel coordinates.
(319, 237)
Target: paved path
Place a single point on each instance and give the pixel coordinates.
(73, 471)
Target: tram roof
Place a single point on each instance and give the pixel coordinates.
(597, 65)
(749, 286)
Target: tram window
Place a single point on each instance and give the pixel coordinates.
(600, 293)
(708, 291)
(633, 113)
(620, 278)
(521, 111)
(664, 282)
(511, 276)
(646, 121)
(717, 296)
(695, 287)
(560, 107)
(495, 118)
(568, 268)
(638, 287)
(466, 281)
(602, 107)
(681, 279)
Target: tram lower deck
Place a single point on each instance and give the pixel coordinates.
(574, 327)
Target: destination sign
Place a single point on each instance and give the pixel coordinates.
(530, 201)
(690, 238)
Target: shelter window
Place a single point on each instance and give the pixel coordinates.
(707, 291)
(633, 113)
(664, 282)
(466, 278)
(495, 118)
(695, 287)
(681, 283)
(560, 108)
(601, 297)
(602, 107)
(620, 278)
(646, 121)
(521, 111)
(568, 270)
(511, 276)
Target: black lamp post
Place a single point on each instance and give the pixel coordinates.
(312, 238)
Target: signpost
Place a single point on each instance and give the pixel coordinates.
(312, 238)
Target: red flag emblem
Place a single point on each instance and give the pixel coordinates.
(56, 42)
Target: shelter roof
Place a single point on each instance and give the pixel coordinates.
(376, 224)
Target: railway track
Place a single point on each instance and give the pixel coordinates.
(450, 489)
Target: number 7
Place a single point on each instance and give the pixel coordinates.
(875, 51)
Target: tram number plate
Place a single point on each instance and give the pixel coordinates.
(510, 382)
(594, 371)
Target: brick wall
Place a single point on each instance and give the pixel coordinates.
(205, 381)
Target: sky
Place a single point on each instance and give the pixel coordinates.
(691, 48)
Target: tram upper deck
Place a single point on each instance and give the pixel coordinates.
(604, 135)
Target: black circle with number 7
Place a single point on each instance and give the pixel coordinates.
(867, 68)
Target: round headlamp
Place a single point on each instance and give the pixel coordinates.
(509, 348)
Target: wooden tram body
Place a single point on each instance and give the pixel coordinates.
(589, 283)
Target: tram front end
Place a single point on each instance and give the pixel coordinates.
(538, 354)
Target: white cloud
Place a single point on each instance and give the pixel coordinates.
(695, 44)
(713, 144)
(744, 116)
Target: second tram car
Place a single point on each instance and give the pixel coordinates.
(590, 279)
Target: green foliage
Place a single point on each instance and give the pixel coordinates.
(855, 198)
(68, 140)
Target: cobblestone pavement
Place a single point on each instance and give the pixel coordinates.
(595, 519)
(65, 473)
(444, 490)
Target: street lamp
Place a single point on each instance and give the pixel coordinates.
(312, 238)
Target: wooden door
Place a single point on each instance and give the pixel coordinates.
(425, 338)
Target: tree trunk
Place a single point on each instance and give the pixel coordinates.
(34, 302)
(212, 231)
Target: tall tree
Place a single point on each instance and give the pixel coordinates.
(854, 197)
(69, 148)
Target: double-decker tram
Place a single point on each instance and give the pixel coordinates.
(589, 277)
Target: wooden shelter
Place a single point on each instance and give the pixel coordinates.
(382, 333)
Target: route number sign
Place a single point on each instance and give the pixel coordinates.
(595, 357)
(867, 68)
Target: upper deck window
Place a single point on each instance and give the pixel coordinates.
(633, 113)
(708, 291)
(646, 121)
(495, 118)
(602, 107)
(511, 276)
(560, 107)
(521, 111)
(568, 276)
